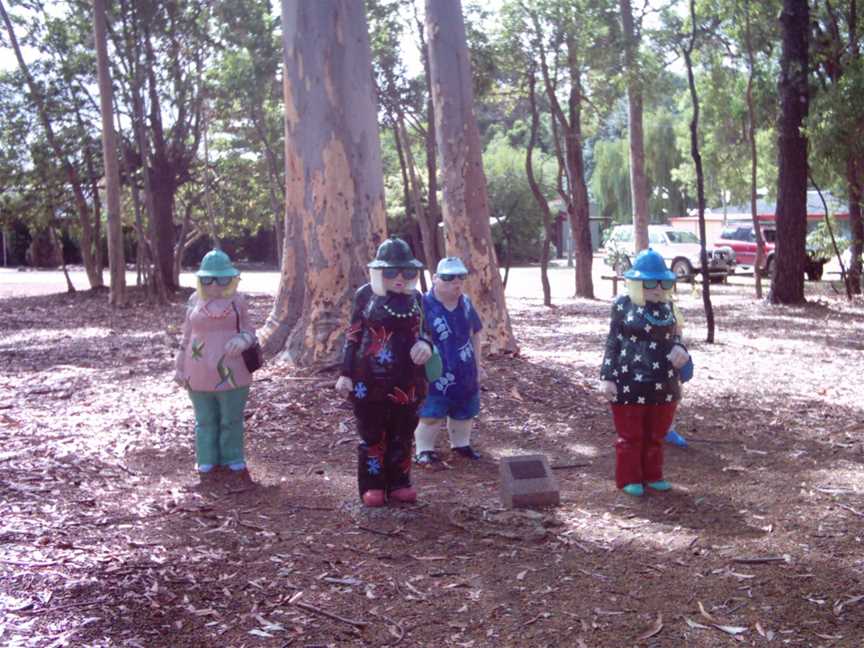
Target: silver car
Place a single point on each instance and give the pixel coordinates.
(679, 248)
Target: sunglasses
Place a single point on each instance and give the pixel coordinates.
(219, 281)
(666, 284)
(446, 277)
(392, 273)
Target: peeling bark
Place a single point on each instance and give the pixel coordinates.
(334, 182)
(465, 201)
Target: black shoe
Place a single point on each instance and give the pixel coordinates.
(427, 458)
(468, 452)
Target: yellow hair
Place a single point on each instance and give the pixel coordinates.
(229, 290)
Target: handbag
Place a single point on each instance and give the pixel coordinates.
(253, 357)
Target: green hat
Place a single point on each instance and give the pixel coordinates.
(217, 264)
(394, 253)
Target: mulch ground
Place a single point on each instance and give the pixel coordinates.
(108, 538)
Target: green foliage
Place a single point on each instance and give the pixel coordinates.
(518, 229)
(819, 241)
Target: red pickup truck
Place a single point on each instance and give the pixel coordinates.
(741, 238)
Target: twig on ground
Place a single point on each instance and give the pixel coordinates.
(759, 560)
(399, 629)
(311, 608)
(394, 532)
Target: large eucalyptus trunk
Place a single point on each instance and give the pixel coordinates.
(466, 205)
(116, 258)
(638, 181)
(333, 174)
(787, 284)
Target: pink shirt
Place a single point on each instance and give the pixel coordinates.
(201, 361)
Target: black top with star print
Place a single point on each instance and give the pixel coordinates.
(640, 338)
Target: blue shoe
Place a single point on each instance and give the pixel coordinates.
(675, 439)
(661, 485)
(205, 468)
(237, 466)
(635, 490)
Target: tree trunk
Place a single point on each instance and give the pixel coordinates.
(93, 274)
(700, 178)
(579, 208)
(425, 222)
(854, 178)
(116, 258)
(787, 285)
(638, 181)
(466, 206)
(432, 208)
(751, 137)
(539, 198)
(334, 179)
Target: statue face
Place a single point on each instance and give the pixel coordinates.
(399, 280)
(448, 287)
(656, 294)
(216, 287)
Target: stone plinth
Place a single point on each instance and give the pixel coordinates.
(527, 482)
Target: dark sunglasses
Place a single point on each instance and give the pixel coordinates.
(666, 284)
(392, 273)
(219, 281)
(446, 277)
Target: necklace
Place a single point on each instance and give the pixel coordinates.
(207, 312)
(411, 311)
(655, 320)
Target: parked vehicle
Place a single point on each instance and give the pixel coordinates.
(679, 248)
(742, 238)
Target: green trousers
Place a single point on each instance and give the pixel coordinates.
(219, 426)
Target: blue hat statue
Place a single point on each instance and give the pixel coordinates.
(649, 265)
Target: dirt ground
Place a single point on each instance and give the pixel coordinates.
(107, 537)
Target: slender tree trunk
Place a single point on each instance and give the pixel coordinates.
(466, 206)
(93, 273)
(787, 284)
(539, 198)
(116, 258)
(424, 220)
(854, 178)
(334, 177)
(433, 211)
(579, 210)
(751, 138)
(700, 178)
(58, 241)
(638, 180)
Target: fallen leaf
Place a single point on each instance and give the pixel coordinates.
(705, 614)
(693, 624)
(732, 630)
(838, 607)
(655, 628)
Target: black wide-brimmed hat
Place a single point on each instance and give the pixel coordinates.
(394, 253)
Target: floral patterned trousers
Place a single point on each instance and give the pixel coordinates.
(384, 456)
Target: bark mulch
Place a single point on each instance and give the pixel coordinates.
(107, 537)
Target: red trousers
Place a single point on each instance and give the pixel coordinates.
(639, 447)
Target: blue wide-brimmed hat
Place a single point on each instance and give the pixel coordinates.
(649, 265)
(217, 264)
(451, 266)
